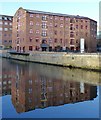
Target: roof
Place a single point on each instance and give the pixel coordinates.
(50, 13)
(57, 14)
(6, 16)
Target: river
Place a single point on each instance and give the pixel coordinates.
(31, 90)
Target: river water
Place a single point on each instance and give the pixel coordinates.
(31, 90)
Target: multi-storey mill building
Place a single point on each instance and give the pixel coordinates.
(5, 31)
(31, 28)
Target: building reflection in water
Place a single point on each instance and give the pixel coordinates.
(32, 88)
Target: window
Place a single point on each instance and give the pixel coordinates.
(37, 40)
(0, 17)
(86, 34)
(55, 40)
(4, 82)
(10, 28)
(30, 90)
(71, 34)
(0, 29)
(76, 33)
(0, 22)
(31, 15)
(81, 26)
(37, 32)
(55, 32)
(31, 22)
(10, 18)
(5, 29)
(30, 39)
(71, 41)
(51, 18)
(5, 40)
(5, 35)
(30, 81)
(81, 20)
(86, 27)
(44, 17)
(76, 26)
(44, 25)
(56, 18)
(51, 24)
(71, 28)
(30, 48)
(71, 20)
(55, 25)
(10, 23)
(5, 18)
(10, 41)
(60, 40)
(31, 31)
(61, 25)
(44, 33)
(5, 23)
(77, 41)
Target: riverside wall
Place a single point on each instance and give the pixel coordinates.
(78, 60)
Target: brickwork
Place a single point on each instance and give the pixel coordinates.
(31, 28)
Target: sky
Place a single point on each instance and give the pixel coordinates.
(87, 8)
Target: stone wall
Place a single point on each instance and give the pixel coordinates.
(85, 60)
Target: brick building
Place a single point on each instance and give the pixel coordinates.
(6, 30)
(34, 30)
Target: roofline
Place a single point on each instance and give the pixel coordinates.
(57, 14)
(6, 15)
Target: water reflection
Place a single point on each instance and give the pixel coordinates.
(34, 86)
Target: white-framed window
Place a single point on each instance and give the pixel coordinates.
(61, 25)
(0, 22)
(44, 25)
(51, 24)
(44, 17)
(0, 29)
(31, 15)
(31, 31)
(56, 17)
(44, 33)
(10, 23)
(0, 17)
(10, 28)
(30, 90)
(9, 82)
(37, 31)
(10, 18)
(6, 23)
(5, 29)
(30, 81)
(5, 18)
(4, 82)
(31, 22)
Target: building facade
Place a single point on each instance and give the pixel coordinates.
(6, 31)
(33, 30)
